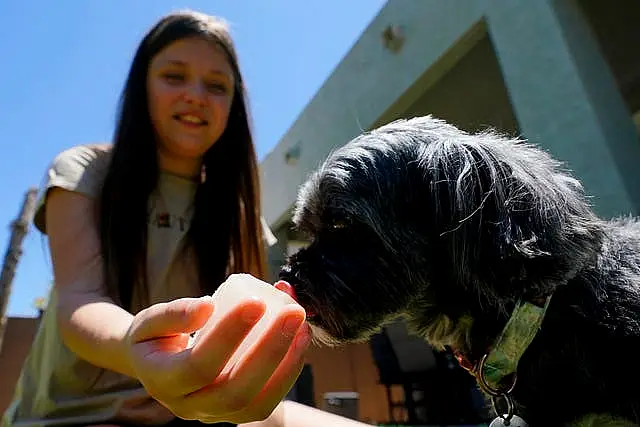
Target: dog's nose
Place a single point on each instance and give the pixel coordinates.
(286, 274)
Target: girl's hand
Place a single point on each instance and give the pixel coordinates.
(188, 381)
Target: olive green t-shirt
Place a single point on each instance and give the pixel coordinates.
(56, 387)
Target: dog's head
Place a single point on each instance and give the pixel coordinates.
(418, 218)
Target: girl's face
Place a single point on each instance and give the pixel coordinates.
(190, 87)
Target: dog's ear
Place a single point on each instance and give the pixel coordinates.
(508, 220)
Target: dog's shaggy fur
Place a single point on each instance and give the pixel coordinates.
(450, 229)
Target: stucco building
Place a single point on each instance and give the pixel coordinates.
(562, 73)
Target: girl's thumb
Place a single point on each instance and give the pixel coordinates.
(181, 316)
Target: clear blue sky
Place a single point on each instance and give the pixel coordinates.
(63, 65)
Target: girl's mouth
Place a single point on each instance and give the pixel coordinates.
(190, 120)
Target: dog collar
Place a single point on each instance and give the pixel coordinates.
(502, 358)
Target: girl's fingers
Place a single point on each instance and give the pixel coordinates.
(235, 402)
(200, 365)
(189, 379)
(260, 362)
(181, 316)
(284, 376)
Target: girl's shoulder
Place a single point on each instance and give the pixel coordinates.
(81, 169)
(83, 155)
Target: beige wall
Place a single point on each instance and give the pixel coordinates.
(17, 341)
(351, 368)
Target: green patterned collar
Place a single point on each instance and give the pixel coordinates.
(502, 359)
(522, 327)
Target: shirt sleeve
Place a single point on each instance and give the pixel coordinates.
(80, 169)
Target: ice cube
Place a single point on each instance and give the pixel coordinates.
(238, 288)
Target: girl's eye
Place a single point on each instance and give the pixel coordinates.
(217, 88)
(174, 78)
(213, 87)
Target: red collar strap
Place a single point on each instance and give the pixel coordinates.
(465, 363)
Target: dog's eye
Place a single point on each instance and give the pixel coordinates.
(338, 224)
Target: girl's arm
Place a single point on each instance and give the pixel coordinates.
(293, 414)
(90, 323)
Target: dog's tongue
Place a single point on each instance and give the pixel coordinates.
(285, 287)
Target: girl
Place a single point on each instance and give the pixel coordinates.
(140, 233)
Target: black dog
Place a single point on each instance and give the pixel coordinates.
(466, 236)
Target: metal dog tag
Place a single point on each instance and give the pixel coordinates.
(515, 421)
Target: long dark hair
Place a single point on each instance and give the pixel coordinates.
(226, 233)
